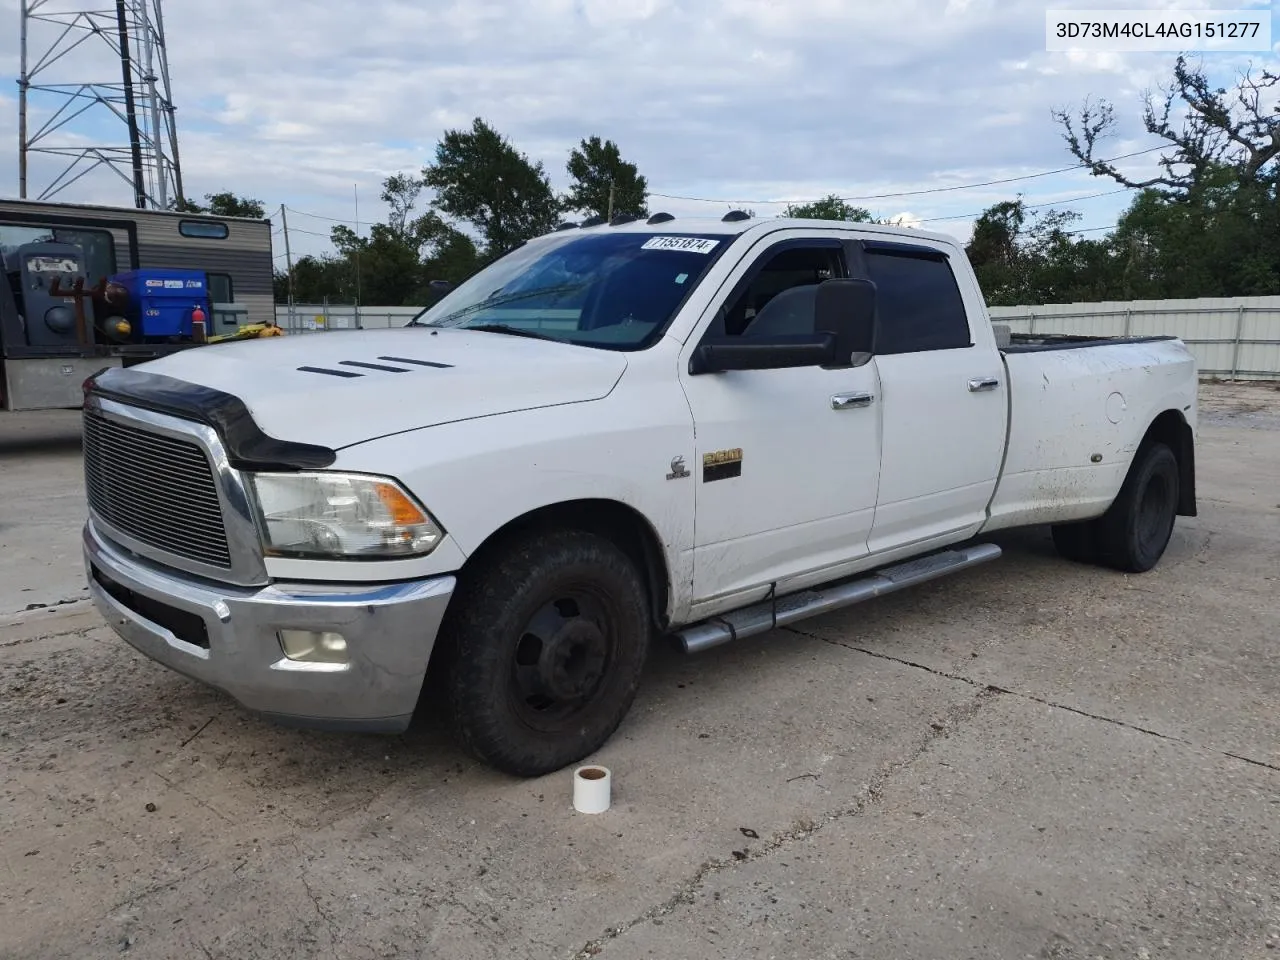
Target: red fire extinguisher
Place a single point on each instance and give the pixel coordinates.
(197, 324)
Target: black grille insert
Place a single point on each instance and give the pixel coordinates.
(182, 624)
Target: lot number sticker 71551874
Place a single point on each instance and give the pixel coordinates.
(691, 244)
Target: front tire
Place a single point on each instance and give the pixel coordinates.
(547, 642)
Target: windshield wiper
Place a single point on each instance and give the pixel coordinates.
(514, 331)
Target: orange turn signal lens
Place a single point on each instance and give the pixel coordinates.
(403, 511)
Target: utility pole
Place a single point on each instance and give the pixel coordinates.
(130, 110)
(69, 127)
(288, 263)
(355, 191)
(611, 192)
(161, 196)
(23, 83)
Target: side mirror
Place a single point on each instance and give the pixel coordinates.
(764, 353)
(846, 309)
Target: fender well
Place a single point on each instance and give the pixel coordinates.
(1172, 429)
(623, 525)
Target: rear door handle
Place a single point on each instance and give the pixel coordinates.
(847, 401)
(983, 383)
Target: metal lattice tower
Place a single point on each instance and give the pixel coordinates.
(69, 116)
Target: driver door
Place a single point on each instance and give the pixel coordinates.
(787, 460)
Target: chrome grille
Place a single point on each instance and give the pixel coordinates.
(157, 489)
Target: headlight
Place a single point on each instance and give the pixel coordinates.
(341, 515)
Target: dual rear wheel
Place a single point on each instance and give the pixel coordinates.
(1134, 532)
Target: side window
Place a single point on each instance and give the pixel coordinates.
(779, 299)
(209, 230)
(918, 303)
(99, 250)
(98, 246)
(220, 290)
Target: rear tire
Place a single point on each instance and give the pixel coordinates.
(1076, 541)
(546, 645)
(1134, 532)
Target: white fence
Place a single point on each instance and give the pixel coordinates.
(1231, 337)
(314, 317)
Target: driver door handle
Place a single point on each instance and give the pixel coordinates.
(848, 401)
(983, 383)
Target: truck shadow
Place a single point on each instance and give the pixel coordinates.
(37, 446)
(340, 773)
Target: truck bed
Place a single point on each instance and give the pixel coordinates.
(1033, 343)
(1076, 416)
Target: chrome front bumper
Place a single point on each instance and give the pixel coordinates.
(226, 636)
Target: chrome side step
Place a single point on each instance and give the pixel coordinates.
(763, 617)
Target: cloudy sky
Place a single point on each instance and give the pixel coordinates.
(743, 102)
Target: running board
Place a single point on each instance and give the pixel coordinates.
(763, 617)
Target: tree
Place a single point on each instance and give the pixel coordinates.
(316, 279)
(1234, 130)
(449, 254)
(393, 264)
(481, 179)
(225, 204)
(1027, 257)
(830, 207)
(604, 184)
(230, 205)
(400, 192)
(1209, 223)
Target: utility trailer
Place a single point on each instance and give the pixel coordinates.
(67, 286)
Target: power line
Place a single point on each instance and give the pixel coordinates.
(916, 193)
(959, 216)
(316, 216)
(310, 233)
(880, 196)
(1033, 206)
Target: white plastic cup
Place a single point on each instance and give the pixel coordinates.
(591, 788)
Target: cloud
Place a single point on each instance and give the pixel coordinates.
(297, 101)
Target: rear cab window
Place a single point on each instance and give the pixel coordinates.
(918, 301)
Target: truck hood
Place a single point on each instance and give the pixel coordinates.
(338, 388)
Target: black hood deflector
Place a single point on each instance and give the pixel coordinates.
(248, 448)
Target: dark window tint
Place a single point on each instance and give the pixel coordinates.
(220, 290)
(918, 303)
(210, 230)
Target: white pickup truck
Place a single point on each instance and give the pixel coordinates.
(695, 429)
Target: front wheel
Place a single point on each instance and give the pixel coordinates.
(546, 647)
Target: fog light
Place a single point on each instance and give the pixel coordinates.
(308, 645)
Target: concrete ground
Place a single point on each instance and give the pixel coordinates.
(1032, 760)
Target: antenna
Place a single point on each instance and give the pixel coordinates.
(73, 118)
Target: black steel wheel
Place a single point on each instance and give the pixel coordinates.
(546, 645)
(1134, 532)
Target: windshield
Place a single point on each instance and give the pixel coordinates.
(614, 290)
